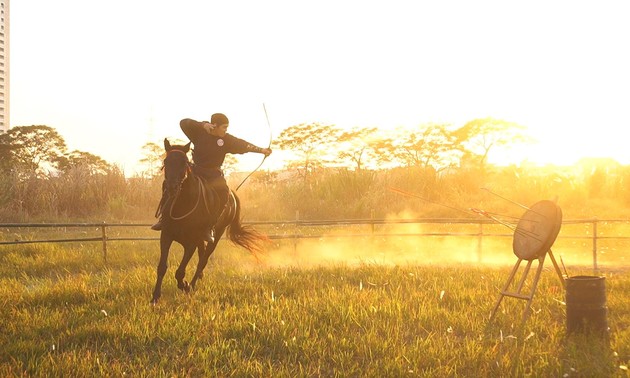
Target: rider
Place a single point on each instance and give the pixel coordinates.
(211, 143)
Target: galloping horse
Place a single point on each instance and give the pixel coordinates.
(189, 210)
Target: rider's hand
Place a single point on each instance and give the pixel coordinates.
(266, 151)
(208, 127)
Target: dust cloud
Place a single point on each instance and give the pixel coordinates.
(406, 244)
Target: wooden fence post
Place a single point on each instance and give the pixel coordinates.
(297, 232)
(595, 268)
(104, 234)
(372, 220)
(479, 242)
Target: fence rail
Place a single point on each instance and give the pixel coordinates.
(296, 226)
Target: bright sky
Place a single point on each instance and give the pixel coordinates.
(113, 75)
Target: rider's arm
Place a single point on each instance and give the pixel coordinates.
(252, 148)
(193, 129)
(240, 146)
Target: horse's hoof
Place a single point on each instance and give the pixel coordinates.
(154, 301)
(186, 287)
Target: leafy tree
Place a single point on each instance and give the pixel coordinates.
(6, 154)
(83, 160)
(479, 136)
(313, 143)
(230, 164)
(430, 146)
(32, 150)
(152, 159)
(358, 146)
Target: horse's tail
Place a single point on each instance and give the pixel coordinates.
(245, 236)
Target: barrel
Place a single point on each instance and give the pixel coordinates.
(586, 305)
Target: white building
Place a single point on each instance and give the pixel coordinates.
(4, 65)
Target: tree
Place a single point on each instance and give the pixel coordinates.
(32, 150)
(83, 160)
(313, 143)
(479, 136)
(430, 146)
(230, 164)
(357, 146)
(152, 159)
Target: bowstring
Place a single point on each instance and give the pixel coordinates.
(265, 156)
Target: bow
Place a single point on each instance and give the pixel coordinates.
(264, 157)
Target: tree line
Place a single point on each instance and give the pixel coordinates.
(40, 151)
(429, 146)
(330, 173)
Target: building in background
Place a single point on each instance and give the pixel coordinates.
(4, 65)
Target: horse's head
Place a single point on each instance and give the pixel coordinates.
(176, 166)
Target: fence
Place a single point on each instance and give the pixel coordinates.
(590, 232)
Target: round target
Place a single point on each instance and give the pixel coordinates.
(537, 230)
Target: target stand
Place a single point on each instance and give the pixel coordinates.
(534, 235)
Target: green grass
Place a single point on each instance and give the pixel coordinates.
(65, 312)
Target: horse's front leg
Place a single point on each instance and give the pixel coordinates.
(165, 246)
(189, 250)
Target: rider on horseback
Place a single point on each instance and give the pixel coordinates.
(211, 143)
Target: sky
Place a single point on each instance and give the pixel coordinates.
(110, 76)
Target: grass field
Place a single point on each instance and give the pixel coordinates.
(302, 311)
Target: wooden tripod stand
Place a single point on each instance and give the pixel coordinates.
(518, 294)
(534, 235)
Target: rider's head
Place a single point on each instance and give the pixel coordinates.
(219, 119)
(221, 123)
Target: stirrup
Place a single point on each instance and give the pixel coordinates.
(210, 235)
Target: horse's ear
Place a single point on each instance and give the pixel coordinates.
(187, 147)
(167, 144)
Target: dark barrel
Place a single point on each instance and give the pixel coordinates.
(586, 304)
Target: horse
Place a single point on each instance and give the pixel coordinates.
(190, 208)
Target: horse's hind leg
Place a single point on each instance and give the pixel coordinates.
(207, 252)
(189, 250)
(204, 255)
(165, 245)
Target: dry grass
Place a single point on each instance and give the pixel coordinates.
(64, 312)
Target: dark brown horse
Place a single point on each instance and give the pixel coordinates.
(191, 207)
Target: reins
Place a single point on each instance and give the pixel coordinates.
(194, 207)
(158, 211)
(201, 194)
